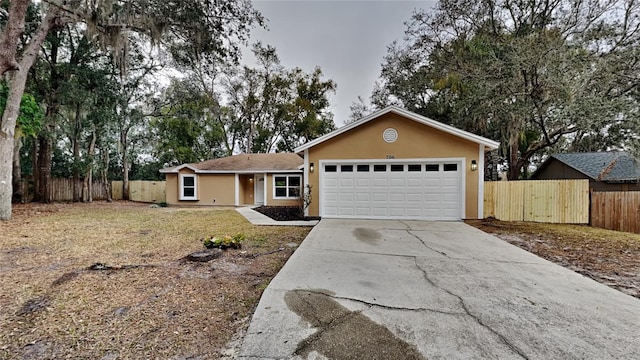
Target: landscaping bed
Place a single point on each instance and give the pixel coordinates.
(284, 213)
(607, 256)
(114, 281)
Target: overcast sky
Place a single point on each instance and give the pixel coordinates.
(346, 39)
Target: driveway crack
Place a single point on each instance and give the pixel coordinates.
(387, 307)
(427, 246)
(476, 318)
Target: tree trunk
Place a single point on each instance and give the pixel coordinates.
(514, 171)
(18, 189)
(44, 169)
(125, 163)
(36, 171)
(13, 29)
(105, 174)
(88, 177)
(17, 82)
(76, 155)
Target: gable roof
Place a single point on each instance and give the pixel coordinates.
(607, 166)
(406, 114)
(244, 163)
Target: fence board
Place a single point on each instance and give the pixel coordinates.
(549, 201)
(616, 210)
(116, 190)
(141, 191)
(62, 190)
(147, 191)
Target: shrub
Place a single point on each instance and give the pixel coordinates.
(224, 242)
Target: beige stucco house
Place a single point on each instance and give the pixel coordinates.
(392, 164)
(245, 179)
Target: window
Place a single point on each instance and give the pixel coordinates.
(286, 186)
(330, 168)
(396, 167)
(413, 167)
(450, 167)
(188, 187)
(346, 168)
(363, 168)
(379, 168)
(432, 167)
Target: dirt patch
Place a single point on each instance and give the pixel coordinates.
(107, 280)
(33, 305)
(607, 256)
(344, 334)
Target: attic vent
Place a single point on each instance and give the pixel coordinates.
(390, 135)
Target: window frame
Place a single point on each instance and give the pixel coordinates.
(181, 187)
(287, 186)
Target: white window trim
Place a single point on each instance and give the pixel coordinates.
(287, 186)
(181, 187)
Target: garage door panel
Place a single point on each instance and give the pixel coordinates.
(330, 211)
(346, 197)
(414, 212)
(380, 197)
(346, 210)
(346, 183)
(330, 183)
(379, 211)
(331, 196)
(397, 211)
(413, 191)
(379, 182)
(397, 197)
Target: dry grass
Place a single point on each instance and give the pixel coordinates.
(607, 256)
(53, 306)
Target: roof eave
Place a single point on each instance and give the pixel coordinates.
(176, 169)
(492, 145)
(249, 171)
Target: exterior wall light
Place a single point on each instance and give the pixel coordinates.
(474, 165)
(250, 179)
(311, 167)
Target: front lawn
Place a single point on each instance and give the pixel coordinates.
(108, 280)
(610, 257)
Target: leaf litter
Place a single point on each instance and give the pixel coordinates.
(607, 256)
(105, 280)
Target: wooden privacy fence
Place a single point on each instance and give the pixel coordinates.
(142, 191)
(616, 210)
(62, 189)
(548, 201)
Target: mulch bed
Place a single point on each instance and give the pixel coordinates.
(281, 213)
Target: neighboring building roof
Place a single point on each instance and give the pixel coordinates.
(608, 166)
(245, 163)
(409, 115)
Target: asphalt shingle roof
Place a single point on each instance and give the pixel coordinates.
(247, 163)
(609, 166)
(251, 162)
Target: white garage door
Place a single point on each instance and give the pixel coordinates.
(394, 190)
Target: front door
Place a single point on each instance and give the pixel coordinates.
(259, 189)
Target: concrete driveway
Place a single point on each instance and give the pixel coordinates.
(434, 290)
